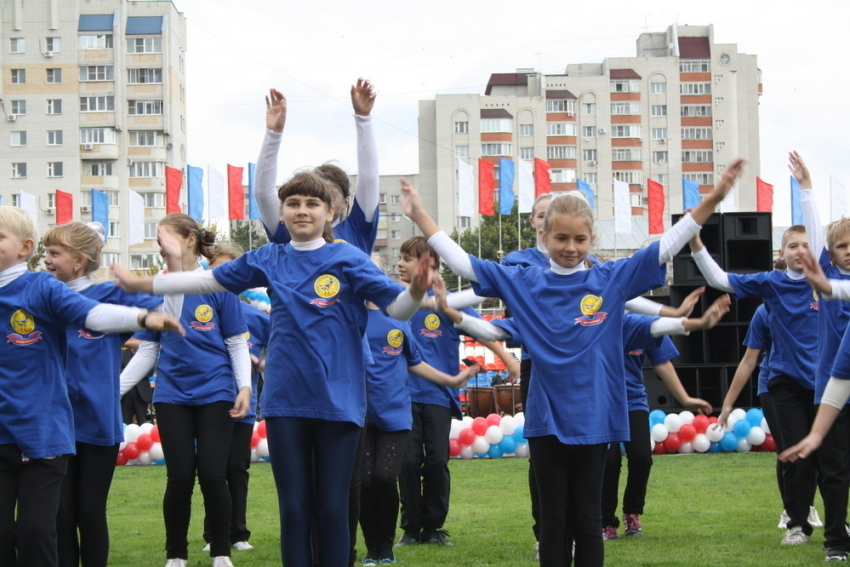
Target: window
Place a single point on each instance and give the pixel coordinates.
(589, 155)
(465, 222)
(568, 106)
(659, 88)
(144, 107)
(591, 178)
(54, 137)
(103, 41)
(526, 153)
(526, 129)
(659, 157)
(382, 234)
(97, 136)
(560, 129)
(461, 127)
(97, 73)
(19, 76)
(462, 151)
(701, 178)
(395, 199)
(588, 108)
(19, 171)
(718, 123)
(150, 230)
(382, 198)
(112, 229)
(154, 200)
(144, 138)
(662, 178)
(395, 234)
(588, 131)
(17, 45)
(19, 107)
(19, 138)
(694, 88)
(697, 156)
(100, 169)
(97, 103)
(109, 258)
(619, 108)
(694, 66)
(54, 169)
(496, 149)
(625, 86)
(696, 133)
(395, 217)
(394, 253)
(139, 76)
(659, 110)
(54, 106)
(146, 169)
(562, 175)
(143, 261)
(53, 44)
(561, 152)
(696, 110)
(625, 131)
(718, 100)
(636, 199)
(719, 145)
(54, 76)
(631, 177)
(51, 200)
(497, 125)
(144, 45)
(659, 133)
(625, 154)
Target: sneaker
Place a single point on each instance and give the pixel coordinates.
(242, 546)
(222, 561)
(206, 547)
(795, 536)
(784, 518)
(836, 555)
(369, 560)
(440, 537)
(407, 539)
(814, 519)
(176, 563)
(632, 523)
(385, 557)
(537, 550)
(609, 532)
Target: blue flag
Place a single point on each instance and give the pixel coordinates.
(796, 202)
(196, 193)
(253, 209)
(100, 208)
(690, 193)
(584, 187)
(506, 183)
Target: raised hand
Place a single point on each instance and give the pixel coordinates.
(814, 273)
(718, 309)
(411, 201)
(728, 178)
(130, 282)
(275, 111)
(421, 281)
(799, 170)
(363, 97)
(687, 306)
(169, 248)
(438, 285)
(160, 322)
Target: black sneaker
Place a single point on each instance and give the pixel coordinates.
(407, 539)
(386, 556)
(440, 537)
(836, 555)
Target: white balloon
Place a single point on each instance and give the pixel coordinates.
(132, 433)
(519, 419)
(701, 443)
(145, 458)
(263, 447)
(122, 445)
(455, 429)
(765, 427)
(493, 434)
(133, 462)
(686, 448)
(659, 432)
(672, 423)
(480, 445)
(756, 436)
(467, 421)
(507, 425)
(145, 428)
(714, 432)
(686, 417)
(522, 450)
(466, 452)
(738, 413)
(254, 456)
(744, 446)
(652, 443)
(156, 452)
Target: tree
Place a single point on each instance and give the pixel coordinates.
(37, 257)
(247, 234)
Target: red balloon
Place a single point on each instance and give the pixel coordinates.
(711, 420)
(769, 444)
(121, 460)
(466, 436)
(700, 423)
(480, 425)
(673, 442)
(687, 432)
(660, 449)
(131, 451)
(454, 447)
(144, 442)
(261, 429)
(494, 419)
(255, 439)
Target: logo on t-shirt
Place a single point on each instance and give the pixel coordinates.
(395, 339)
(23, 325)
(84, 334)
(203, 318)
(432, 326)
(338, 240)
(590, 305)
(247, 335)
(814, 305)
(326, 287)
(637, 352)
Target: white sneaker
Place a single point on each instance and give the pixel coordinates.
(814, 519)
(222, 561)
(784, 518)
(537, 550)
(176, 563)
(242, 546)
(795, 536)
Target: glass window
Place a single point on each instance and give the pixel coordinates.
(659, 88)
(19, 171)
(561, 152)
(19, 107)
(54, 137)
(143, 138)
(144, 45)
(621, 108)
(97, 136)
(18, 45)
(625, 154)
(659, 133)
(560, 129)
(697, 133)
(103, 41)
(659, 110)
(54, 76)
(19, 76)
(694, 66)
(496, 149)
(461, 127)
(625, 131)
(97, 103)
(97, 73)
(526, 129)
(659, 157)
(589, 155)
(497, 125)
(556, 105)
(588, 108)
(154, 200)
(694, 88)
(54, 106)
(696, 110)
(526, 153)
(146, 169)
(562, 175)
(53, 44)
(109, 258)
(54, 169)
(588, 131)
(625, 86)
(462, 151)
(19, 138)
(141, 76)
(99, 169)
(137, 107)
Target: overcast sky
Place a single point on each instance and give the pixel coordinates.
(314, 51)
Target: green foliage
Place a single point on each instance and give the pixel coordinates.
(248, 234)
(34, 263)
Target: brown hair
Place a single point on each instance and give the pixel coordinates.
(795, 229)
(336, 176)
(185, 226)
(537, 200)
(228, 249)
(836, 230)
(79, 240)
(310, 184)
(780, 264)
(569, 205)
(416, 246)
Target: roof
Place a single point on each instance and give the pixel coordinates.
(560, 94)
(144, 25)
(694, 48)
(95, 22)
(495, 113)
(624, 74)
(506, 79)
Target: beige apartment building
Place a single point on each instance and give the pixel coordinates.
(93, 96)
(683, 106)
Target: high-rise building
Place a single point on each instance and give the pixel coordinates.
(683, 106)
(93, 96)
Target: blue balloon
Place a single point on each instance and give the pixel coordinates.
(481, 455)
(715, 447)
(729, 441)
(742, 428)
(656, 417)
(495, 452)
(123, 426)
(507, 444)
(265, 458)
(520, 429)
(754, 417)
(159, 462)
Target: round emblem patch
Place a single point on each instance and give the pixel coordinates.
(395, 338)
(22, 322)
(590, 304)
(326, 286)
(432, 322)
(203, 313)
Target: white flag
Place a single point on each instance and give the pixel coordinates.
(217, 195)
(622, 208)
(465, 190)
(526, 186)
(135, 218)
(729, 204)
(838, 199)
(27, 203)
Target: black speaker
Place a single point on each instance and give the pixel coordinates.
(747, 243)
(685, 271)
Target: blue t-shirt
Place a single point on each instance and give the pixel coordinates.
(314, 363)
(832, 324)
(388, 401)
(35, 413)
(259, 328)
(758, 337)
(196, 370)
(577, 391)
(526, 258)
(93, 367)
(639, 344)
(793, 318)
(354, 230)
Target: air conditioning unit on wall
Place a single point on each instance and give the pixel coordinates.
(85, 209)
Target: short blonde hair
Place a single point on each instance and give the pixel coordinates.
(79, 240)
(795, 229)
(18, 222)
(226, 249)
(836, 230)
(569, 205)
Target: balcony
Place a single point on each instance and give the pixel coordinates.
(99, 151)
(145, 122)
(150, 153)
(99, 182)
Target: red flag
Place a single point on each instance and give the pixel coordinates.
(764, 196)
(235, 193)
(173, 183)
(486, 186)
(64, 207)
(542, 181)
(655, 198)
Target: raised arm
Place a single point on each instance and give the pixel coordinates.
(266, 174)
(472, 326)
(811, 215)
(368, 181)
(713, 274)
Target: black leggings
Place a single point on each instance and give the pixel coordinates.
(82, 506)
(238, 463)
(639, 453)
(179, 428)
(525, 382)
(569, 479)
(382, 456)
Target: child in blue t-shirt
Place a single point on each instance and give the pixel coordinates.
(571, 317)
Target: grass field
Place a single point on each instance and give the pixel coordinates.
(712, 509)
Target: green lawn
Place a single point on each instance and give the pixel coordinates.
(701, 510)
